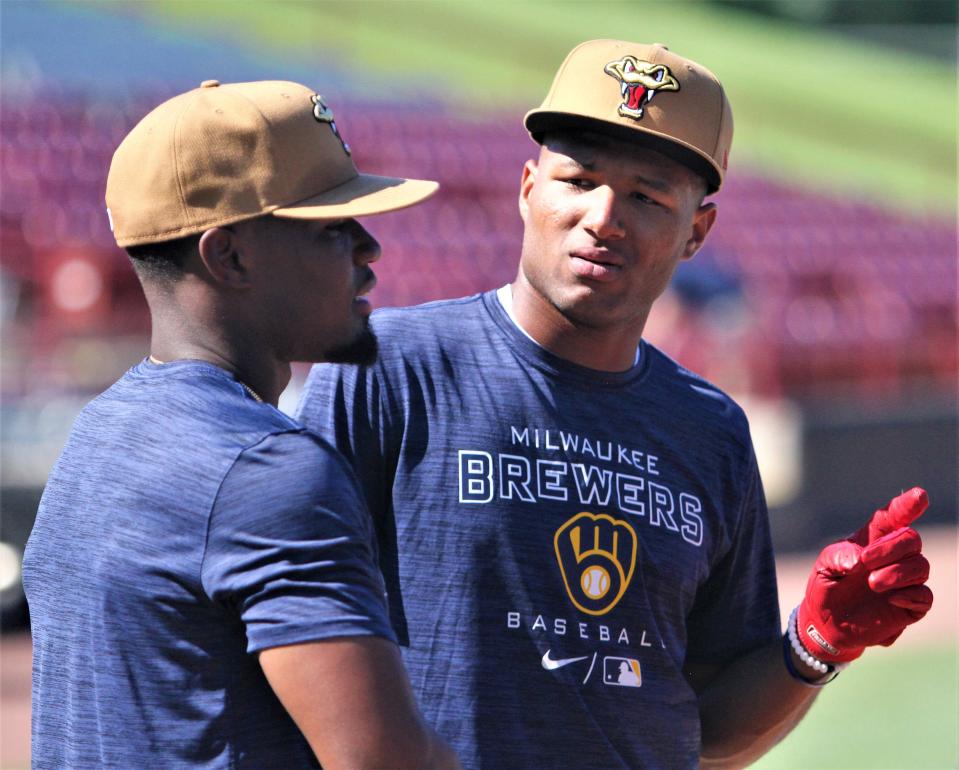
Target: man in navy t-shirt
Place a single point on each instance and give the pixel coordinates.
(202, 574)
(572, 526)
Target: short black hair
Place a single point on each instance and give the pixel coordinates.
(163, 261)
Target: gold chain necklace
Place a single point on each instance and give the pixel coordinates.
(253, 394)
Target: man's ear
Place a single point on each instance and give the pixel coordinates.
(703, 221)
(222, 257)
(526, 182)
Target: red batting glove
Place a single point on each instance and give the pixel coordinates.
(866, 589)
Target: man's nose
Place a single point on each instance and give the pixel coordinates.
(367, 247)
(602, 217)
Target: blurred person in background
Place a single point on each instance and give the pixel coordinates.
(202, 576)
(572, 526)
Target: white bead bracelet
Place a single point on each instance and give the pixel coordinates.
(814, 663)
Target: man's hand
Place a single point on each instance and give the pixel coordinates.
(866, 589)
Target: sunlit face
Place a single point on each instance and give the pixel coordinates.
(607, 222)
(312, 284)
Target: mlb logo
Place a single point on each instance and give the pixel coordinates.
(622, 672)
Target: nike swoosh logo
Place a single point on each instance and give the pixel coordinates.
(549, 664)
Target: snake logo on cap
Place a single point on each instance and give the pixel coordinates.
(325, 115)
(639, 82)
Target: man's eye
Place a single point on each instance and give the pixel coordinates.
(582, 184)
(644, 199)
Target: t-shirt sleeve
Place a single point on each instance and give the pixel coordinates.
(737, 608)
(290, 546)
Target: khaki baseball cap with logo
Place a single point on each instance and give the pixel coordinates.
(223, 153)
(643, 93)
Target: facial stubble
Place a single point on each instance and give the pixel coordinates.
(361, 350)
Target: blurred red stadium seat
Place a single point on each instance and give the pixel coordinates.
(842, 295)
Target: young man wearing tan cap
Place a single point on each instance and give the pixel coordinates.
(202, 574)
(572, 526)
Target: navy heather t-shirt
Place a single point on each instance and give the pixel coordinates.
(185, 527)
(556, 541)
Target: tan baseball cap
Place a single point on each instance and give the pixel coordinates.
(223, 153)
(642, 93)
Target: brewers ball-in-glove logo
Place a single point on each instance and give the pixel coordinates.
(639, 82)
(597, 557)
(325, 115)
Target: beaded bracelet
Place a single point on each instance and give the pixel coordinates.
(814, 663)
(791, 641)
(791, 668)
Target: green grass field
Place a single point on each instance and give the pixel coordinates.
(892, 710)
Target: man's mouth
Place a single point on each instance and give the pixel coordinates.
(367, 286)
(599, 256)
(595, 264)
(360, 302)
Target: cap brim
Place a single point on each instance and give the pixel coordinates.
(539, 122)
(361, 196)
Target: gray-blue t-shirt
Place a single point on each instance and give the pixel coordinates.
(184, 528)
(556, 541)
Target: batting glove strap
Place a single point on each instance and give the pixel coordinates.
(791, 642)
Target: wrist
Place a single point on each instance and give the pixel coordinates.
(803, 669)
(803, 665)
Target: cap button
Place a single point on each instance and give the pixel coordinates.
(209, 84)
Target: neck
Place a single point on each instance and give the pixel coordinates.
(606, 348)
(190, 321)
(256, 379)
(263, 375)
